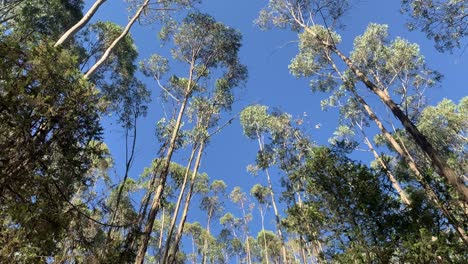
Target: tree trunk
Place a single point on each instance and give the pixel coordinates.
(412, 130)
(403, 196)
(179, 201)
(412, 165)
(124, 33)
(180, 229)
(159, 191)
(407, 157)
(205, 240)
(246, 233)
(275, 208)
(80, 24)
(267, 258)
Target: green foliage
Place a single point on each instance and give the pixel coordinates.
(261, 193)
(121, 92)
(442, 21)
(397, 67)
(49, 122)
(40, 17)
(284, 13)
(348, 207)
(271, 244)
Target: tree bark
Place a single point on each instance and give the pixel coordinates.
(396, 185)
(267, 257)
(124, 33)
(412, 130)
(275, 208)
(80, 24)
(159, 190)
(177, 206)
(180, 229)
(413, 167)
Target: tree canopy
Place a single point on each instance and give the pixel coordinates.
(168, 131)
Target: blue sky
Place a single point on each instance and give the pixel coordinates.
(267, 55)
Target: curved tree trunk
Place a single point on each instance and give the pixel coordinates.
(80, 24)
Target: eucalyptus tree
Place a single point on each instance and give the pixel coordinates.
(213, 205)
(261, 194)
(319, 51)
(448, 119)
(413, 79)
(203, 44)
(206, 111)
(231, 231)
(238, 197)
(257, 124)
(268, 240)
(443, 21)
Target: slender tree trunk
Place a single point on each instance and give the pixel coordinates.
(163, 177)
(80, 24)
(413, 131)
(180, 229)
(396, 185)
(302, 249)
(161, 230)
(246, 232)
(128, 165)
(205, 240)
(179, 202)
(275, 208)
(159, 191)
(124, 33)
(267, 258)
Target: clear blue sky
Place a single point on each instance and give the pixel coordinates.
(267, 55)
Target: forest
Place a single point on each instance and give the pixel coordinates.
(222, 131)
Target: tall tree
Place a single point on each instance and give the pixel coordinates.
(322, 42)
(255, 122)
(261, 194)
(238, 197)
(203, 44)
(213, 206)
